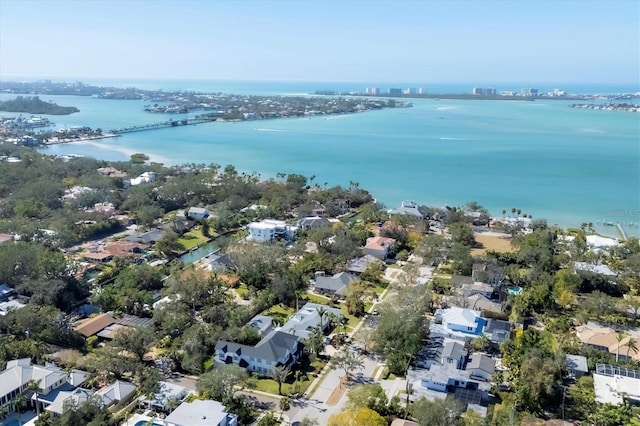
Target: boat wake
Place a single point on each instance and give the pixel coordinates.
(444, 138)
(444, 108)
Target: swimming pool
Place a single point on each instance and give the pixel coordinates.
(141, 423)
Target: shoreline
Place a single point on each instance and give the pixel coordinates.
(59, 141)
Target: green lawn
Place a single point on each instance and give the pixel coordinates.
(243, 290)
(192, 239)
(315, 298)
(352, 320)
(279, 313)
(379, 289)
(307, 373)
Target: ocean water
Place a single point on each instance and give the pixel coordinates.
(566, 165)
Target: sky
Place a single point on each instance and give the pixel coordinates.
(587, 41)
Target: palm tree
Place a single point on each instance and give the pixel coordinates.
(632, 345)
(322, 311)
(513, 211)
(34, 385)
(20, 402)
(280, 374)
(619, 338)
(504, 212)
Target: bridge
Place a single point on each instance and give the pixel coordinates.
(189, 121)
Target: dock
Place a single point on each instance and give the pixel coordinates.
(189, 121)
(621, 231)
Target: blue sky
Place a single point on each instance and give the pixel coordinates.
(405, 41)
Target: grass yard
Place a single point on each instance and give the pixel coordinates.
(192, 239)
(242, 290)
(279, 313)
(316, 298)
(304, 373)
(492, 242)
(352, 320)
(379, 289)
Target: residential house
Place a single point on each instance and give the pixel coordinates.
(303, 322)
(201, 413)
(15, 379)
(337, 284)
(409, 208)
(454, 354)
(198, 213)
(459, 320)
(576, 366)
(614, 385)
(458, 281)
(92, 326)
(594, 269)
(164, 397)
(5, 292)
(360, 264)
(489, 274)
(6, 238)
(276, 348)
(117, 393)
(262, 323)
(146, 177)
(596, 242)
(216, 262)
(481, 367)
(498, 330)
(606, 339)
(379, 247)
(6, 307)
(150, 237)
(340, 205)
(270, 229)
(319, 210)
(313, 222)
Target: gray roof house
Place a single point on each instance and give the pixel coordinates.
(5, 292)
(576, 366)
(276, 348)
(313, 222)
(409, 208)
(454, 354)
(337, 284)
(481, 366)
(148, 237)
(498, 330)
(262, 323)
(302, 323)
(201, 413)
(116, 393)
(360, 264)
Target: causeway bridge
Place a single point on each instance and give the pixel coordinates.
(189, 121)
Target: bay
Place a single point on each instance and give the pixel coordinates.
(566, 165)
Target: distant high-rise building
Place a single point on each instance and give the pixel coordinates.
(422, 91)
(394, 91)
(528, 91)
(483, 91)
(375, 90)
(411, 91)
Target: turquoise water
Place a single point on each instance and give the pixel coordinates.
(566, 165)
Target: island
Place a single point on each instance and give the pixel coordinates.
(35, 105)
(609, 107)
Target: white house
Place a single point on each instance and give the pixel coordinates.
(146, 177)
(198, 213)
(302, 323)
(269, 229)
(614, 385)
(201, 413)
(460, 320)
(20, 372)
(409, 208)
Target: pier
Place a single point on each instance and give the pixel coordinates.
(190, 121)
(622, 233)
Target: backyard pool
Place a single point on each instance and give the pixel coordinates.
(142, 423)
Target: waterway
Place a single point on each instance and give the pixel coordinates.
(566, 165)
(197, 254)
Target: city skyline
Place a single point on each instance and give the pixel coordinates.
(433, 41)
